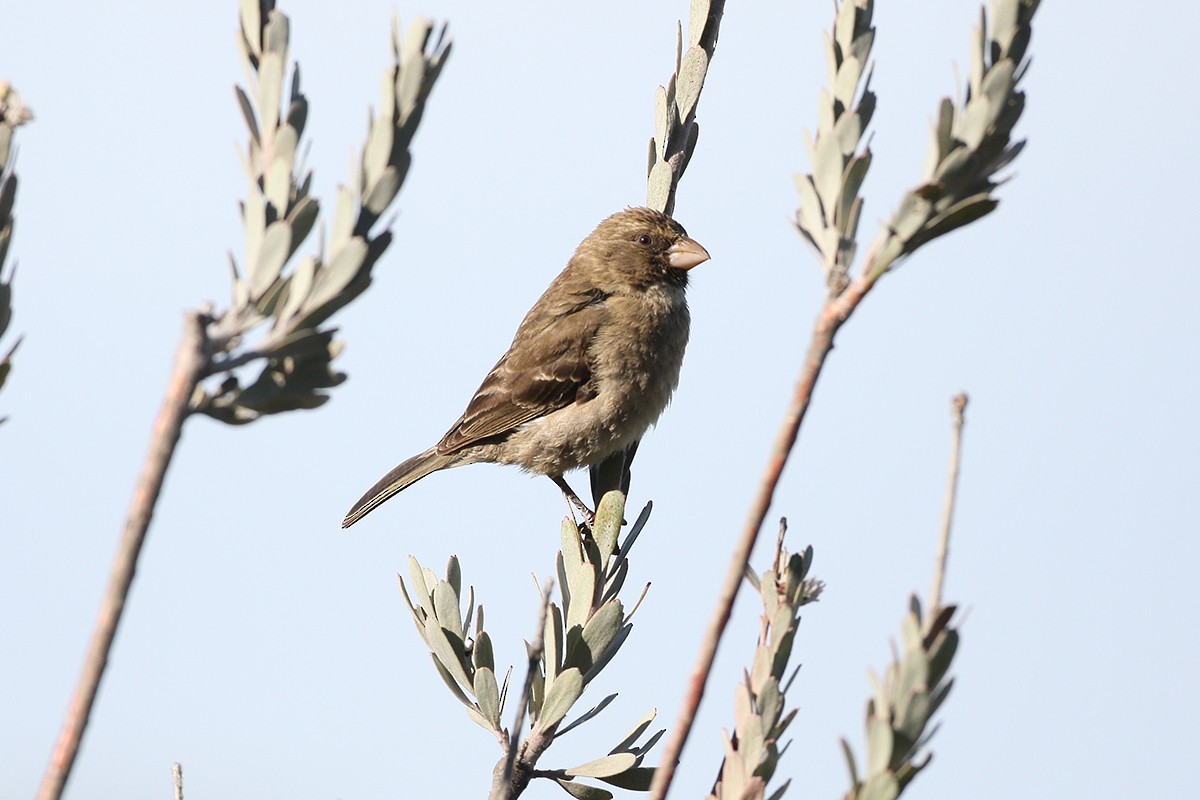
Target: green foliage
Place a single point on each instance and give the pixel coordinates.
(752, 751)
(829, 203)
(583, 632)
(911, 691)
(972, 142)
(675, 128)
(293, 305)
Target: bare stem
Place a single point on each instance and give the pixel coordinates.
(189, 365)
(833, 315)
(503, 785)
(957, 406)
(177, 779)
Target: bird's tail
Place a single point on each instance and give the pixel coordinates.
(398, 479)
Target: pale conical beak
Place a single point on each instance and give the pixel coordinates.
(686, 253)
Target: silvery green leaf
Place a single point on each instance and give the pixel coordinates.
(451, 683)
(961, 213)
(860, 48)
(911, 721)
(384, 190)
(254, 217)
(828, 165)
(340, 271)
(582, 580)
(698, 21)
(552, 642)
(610, 651)
(603, 704)
(770, 705)
(811, 214)
(609, 515)
(661, 120)
(302, 217)
(561, 695)
(482, 656)
(881, 786)
(247, 112)
(856, 172)
(604, 766)
(582, 791)
(691, 80)
(825, 118)
(445, 607)
(634, 734)
(847, 131)
(598, 634)
(276, 245)
(487, 694)
(421, 591)
(270, 87)
(879, 745)
(480, 719)
(277, 184)
(275, 34)
(378, 151)
(251, 19)
(448, 651)
(847, 81)
(850, 765)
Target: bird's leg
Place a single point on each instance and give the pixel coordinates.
(588, 515)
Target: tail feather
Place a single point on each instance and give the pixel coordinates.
(397, 480)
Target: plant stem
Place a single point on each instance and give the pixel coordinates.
(190, 362)
(833, 315)
(957, 406)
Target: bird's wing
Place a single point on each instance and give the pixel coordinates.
(545, 369)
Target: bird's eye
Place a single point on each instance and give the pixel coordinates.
(644, 240)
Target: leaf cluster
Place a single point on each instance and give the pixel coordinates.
(972, 142)
(280, 212)
(907, 696)
(752, 751)
(581, 635)
(675, 128)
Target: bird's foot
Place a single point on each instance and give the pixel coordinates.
(589, 516)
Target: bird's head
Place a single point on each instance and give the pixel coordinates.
(644, 247)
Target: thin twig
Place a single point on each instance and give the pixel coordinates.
(177, 779)
(535, 656)
(833, 315)
(190, 362)
(957, 406)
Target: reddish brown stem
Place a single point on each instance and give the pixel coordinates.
(189, 365)
(833, 315)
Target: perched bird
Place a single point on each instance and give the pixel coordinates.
(591, 367)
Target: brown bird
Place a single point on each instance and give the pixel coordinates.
(591, 367)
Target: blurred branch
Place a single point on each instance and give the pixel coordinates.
(971, 143)
(177, 780)
(957, 406)
(278, 216)
(13, 114)
(189, 365)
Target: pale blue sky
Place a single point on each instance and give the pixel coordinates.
(271, 653)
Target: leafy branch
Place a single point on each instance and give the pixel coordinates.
(581, 634)
(297, 348)
(972, 142)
